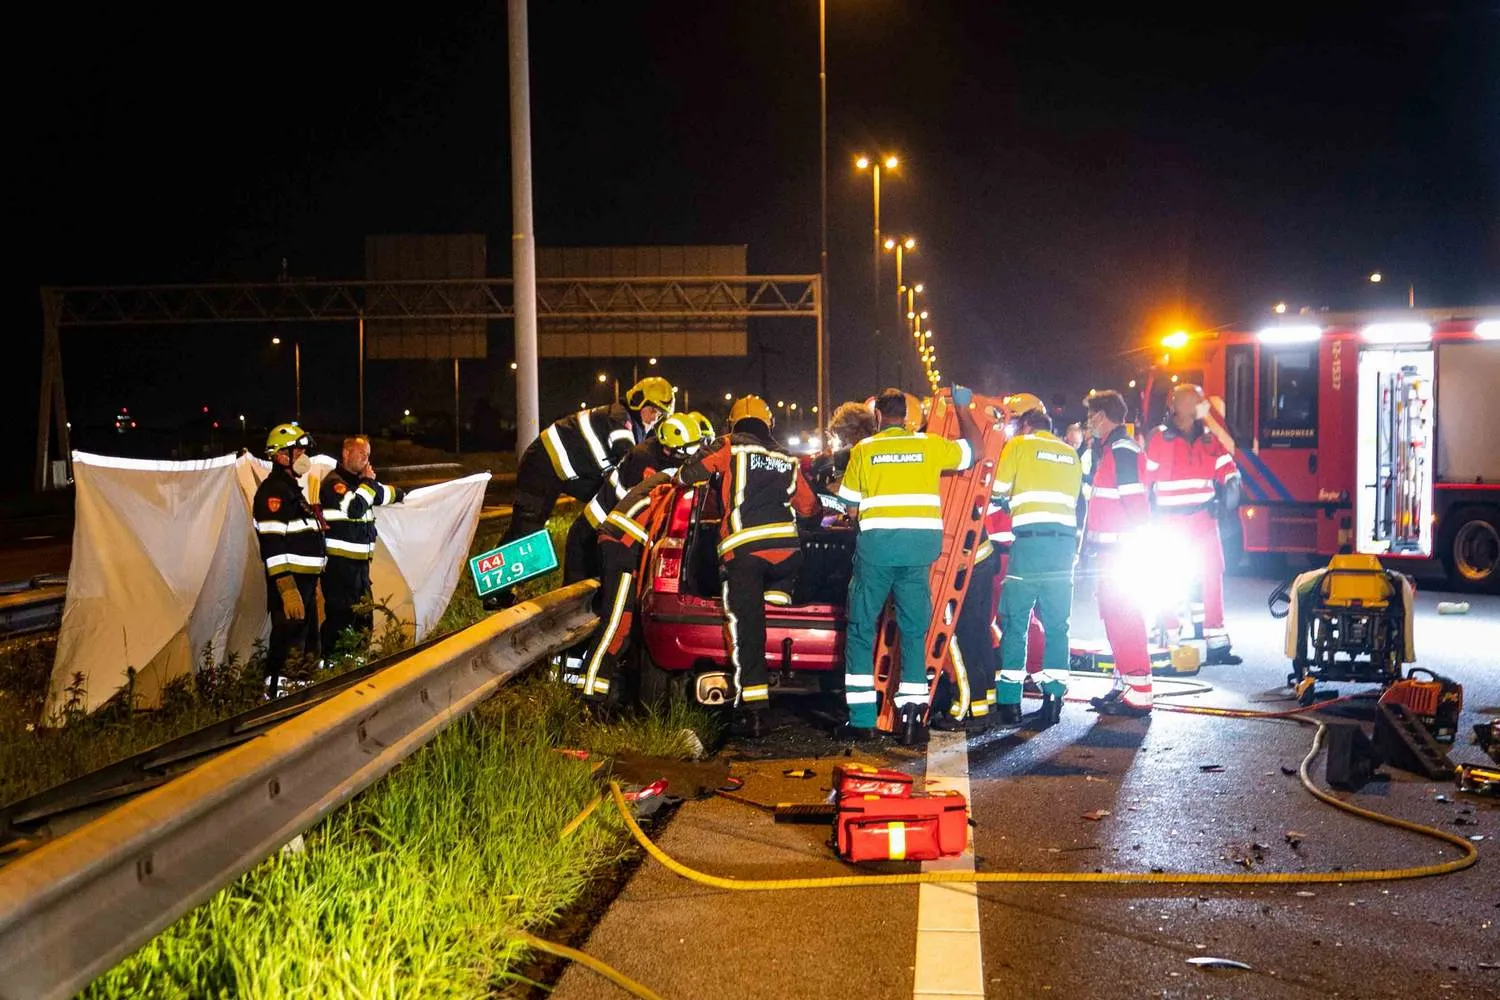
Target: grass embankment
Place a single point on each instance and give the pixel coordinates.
(417, 887)
(35, 756)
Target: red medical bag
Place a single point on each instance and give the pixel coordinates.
(901, 828)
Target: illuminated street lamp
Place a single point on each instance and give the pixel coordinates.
(901, 246)
(888, 162)
(1411, 289)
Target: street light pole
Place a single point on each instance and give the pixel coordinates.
(823, 344)
(297, 374)
(874, 165)
(523, 239)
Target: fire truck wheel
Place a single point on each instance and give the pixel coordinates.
(661, 688)
(1473, 555)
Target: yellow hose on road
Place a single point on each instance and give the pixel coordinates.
(1467, 857)
(589, 962)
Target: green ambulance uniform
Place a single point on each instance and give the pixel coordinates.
(1040, 478)
(893, 479)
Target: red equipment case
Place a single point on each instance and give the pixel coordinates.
(905, 828)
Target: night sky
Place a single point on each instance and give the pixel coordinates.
(1078, 181)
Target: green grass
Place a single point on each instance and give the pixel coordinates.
(415, 888)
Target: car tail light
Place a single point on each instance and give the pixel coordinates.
(668, 565)
(682, 513)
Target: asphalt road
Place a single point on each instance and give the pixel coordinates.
(1434, 937)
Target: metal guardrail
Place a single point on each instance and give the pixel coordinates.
(71, 909)
(34, 605)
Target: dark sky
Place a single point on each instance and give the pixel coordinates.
(1077, 179)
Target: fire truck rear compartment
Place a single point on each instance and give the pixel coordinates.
(1393, 507)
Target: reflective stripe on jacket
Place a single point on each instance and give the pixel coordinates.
(762, 489)
(1039, 478)
(584, 445)
(349, 504)
(1182, 471)
(894, 479)
(1112, 486)
(286, 526)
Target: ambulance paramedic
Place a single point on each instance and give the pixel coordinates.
(891, 485)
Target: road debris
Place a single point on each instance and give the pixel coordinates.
(1211, 768)
(798, 772)
(1209, 962)
(1294, 838)
(1096, 814)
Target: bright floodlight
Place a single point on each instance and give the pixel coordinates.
(917, 288)
(1175, 340)
(910, 243)
(1290, 334)
(862, 162)
(1279, 308)
(1376, 278)
(1488, 330)
(603, 377)
(891, 163)
(1397, 333)
(890, 244)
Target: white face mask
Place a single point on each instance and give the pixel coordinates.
(302, 465)
(1200, 412)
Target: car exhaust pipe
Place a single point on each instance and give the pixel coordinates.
(712, 688)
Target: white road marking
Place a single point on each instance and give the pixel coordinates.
(949, 962)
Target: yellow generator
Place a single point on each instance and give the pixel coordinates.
(1349, 621)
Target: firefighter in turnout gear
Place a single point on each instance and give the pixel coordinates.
(348, 497)
(1117, 511)
(673, 441)
(1039, 478)
(576, 452)
(624, 540)
(290, 534)
(892, 483)
(763, 493)
(1189, 477)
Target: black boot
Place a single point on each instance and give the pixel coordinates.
(913, 729)
(1123, 708)
(945, 723)
(1051, 711)
(1008, 715)
(1110, 698)
(750, 723)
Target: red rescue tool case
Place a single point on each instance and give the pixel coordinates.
(901, 828)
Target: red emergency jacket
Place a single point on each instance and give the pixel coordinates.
(1113, 487)
(1184, 470)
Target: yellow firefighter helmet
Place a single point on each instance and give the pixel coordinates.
(652, 391)
(679, 432)
(287, 436)
(750, 408)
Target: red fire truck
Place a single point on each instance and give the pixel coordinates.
(1359, 432)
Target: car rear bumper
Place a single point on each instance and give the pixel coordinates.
(684, 633)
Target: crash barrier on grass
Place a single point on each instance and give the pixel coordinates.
(73, 908)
